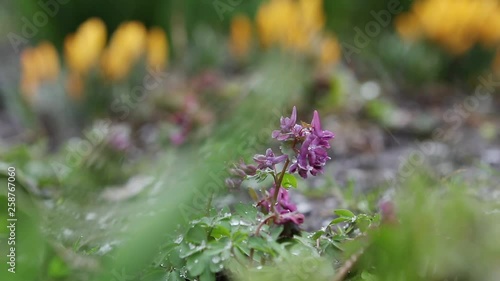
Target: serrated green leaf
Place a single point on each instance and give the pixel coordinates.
(344, 213)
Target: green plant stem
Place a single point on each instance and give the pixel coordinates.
(264, 221)
(278, 185)
(209, 204)
(257, 231)
(348, 265)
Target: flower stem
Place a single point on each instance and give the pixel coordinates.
(278, 184)
(257, 232)
(348, 266)
(264, 221)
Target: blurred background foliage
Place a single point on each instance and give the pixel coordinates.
(414, 57)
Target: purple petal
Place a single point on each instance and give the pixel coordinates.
(316, 124)
(280, 159)
(293, 118)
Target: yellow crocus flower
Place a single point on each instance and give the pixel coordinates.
(240, 36)
(83, 48)
(126, 46)
(330, 51)
(157, 49)
(38, 65)
(456, 25)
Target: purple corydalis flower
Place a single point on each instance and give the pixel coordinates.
(325, 135)
(313, 152)
(296, 218)
(289, 128)
(286, 209)
(268, 160)
(288, 123)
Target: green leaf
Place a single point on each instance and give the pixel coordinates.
(220, 231)
(186, 251)
(216, 264)
(57, 268)
(339, 220)
(318, 234)
(174, 259)
(276, 231)
(196, 234)
(365, 275)
(289, 180)
(156, 275)
(246, 211)
(207, 276)
(239, 236)
(344, 213)
(217, 247)
(363, 224)
(196, 264)
(259, 244)
(174, 276)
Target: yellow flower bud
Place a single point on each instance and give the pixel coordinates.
(240, 36)
(48, 60)
(157, 49)
(38, 65)
(83, 48)
(456, 25)
(330, 51)
(290, 24)
(125, 48)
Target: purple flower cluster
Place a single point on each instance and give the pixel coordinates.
(313, 141)
(309, 143)
(284, 206)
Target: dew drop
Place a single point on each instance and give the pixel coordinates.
(179, 239)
